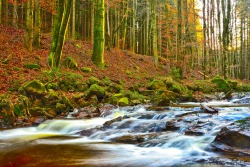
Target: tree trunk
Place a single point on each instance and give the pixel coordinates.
(62, 33)
(15, 16)
(37, 32)
(56, 30)
(204, 41)
(1, 11)
(154, 33)
(179, 30)
(99, 40)
(73, 19)
(29, 26)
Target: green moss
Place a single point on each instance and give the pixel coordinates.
(17, 110)
(176, 88)
(157, 85)
(93, 80)
(53, 86)
(96, 90)
(32, 66)
(123, 101)
(34, 87)
(71, 63)
(221, 83)
(24, 105)
(86, 69)
(60, 107)
(17, 69)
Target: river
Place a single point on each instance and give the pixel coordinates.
(57, 143)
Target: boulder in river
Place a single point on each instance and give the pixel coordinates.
(234, 139)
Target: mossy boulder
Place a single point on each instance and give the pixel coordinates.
(176, 88)
(233, 84)
(60, 107)
(33, 88)
(222, 84)
(32, 66)
(93, 80)
(157, 85)
(38, 111)
(71, 63)
(6, 107)
(50, 98)
(123, 101)
(96, 90)
(53, 86)
(163, 98)
(23, 104)
(86, 69)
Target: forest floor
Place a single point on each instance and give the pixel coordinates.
(120, 65)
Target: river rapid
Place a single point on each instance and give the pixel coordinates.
(142, 137)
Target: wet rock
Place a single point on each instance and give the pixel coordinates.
(108, 123)
(234, 139)
(37, 120)
(147, 116)
(106, 109)
(172, 125)
(86, 112)
(129, 139)
(195, 132)
(245, 100)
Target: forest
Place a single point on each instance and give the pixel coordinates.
(96, 78)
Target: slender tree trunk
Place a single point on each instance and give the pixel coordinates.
(15, 16)
(179, 28)
(56, 30)
(62, 33)
(37, 32)
(99, 40)
(154, 33)
(204, 41)
(29, 26)
(73, 19)
(1, 11)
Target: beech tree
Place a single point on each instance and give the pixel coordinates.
(59, 32)
(99, 40)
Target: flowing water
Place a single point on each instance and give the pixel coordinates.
(56, 143)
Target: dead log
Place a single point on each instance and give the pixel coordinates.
(210, 110)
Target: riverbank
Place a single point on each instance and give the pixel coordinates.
(31, 92)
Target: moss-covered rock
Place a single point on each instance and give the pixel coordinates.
(93, 80)
(32, 66)
(123, 101)
(33, 88)
(53, 86)
(60, 107)
(86, 69)
(24, 105)
(233, 84)
(176, 88)
(204, 86)
(38, 111)
(157, 85)
(96, 90)
(221, 83)
(6, 107)
(50, 98)
(71, 63)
